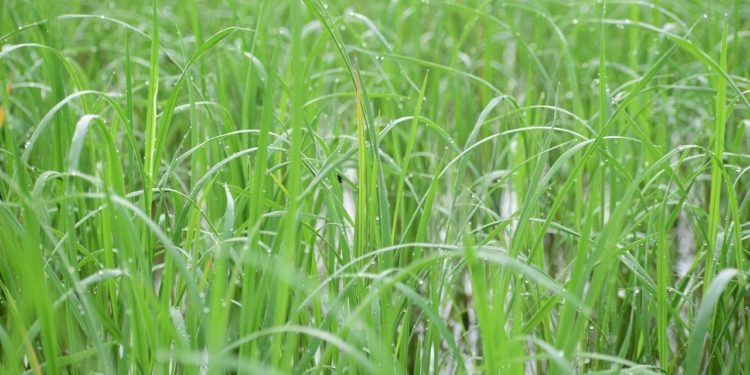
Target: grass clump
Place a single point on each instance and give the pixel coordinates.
(432, 187)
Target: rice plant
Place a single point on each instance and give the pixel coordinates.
(374, 187)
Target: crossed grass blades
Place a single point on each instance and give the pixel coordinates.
(374, 187)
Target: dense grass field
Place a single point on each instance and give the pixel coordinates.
(374, 187)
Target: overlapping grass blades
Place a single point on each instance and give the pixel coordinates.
(266, 187)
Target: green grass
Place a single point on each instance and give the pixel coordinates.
(374, 187)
